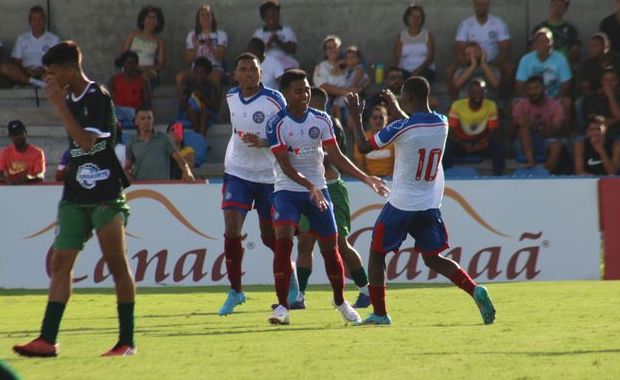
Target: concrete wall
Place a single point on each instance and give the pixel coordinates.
(100, 26)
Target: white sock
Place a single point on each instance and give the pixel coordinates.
(37, 82)
(364, 290)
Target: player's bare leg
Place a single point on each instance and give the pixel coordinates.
(233, 223)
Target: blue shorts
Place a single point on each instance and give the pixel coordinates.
(289, 205)
(239, 194)
(540, 147)
(426, 227)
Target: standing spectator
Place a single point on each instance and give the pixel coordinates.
(147, 44)
(597, 154)
(129, 90)
(281, 41)
(379, 162)
(21, 162)
(493, 36)
(271, 69)
(611, 26)
(474, 128)
(605, 102)
(205, 40)
(477, 67)
(565, 35)
(414, 48)
(329, 74)
(393, 82)
(175, 131)
(200, 101)
(148, 156)
(539, 119)
(600, 57)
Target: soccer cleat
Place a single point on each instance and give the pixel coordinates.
(37, 348)
(376, 320)
(348, 312)
(362, 302)
(121, 350)
(234, 298)
(487, 311)
(279, 316)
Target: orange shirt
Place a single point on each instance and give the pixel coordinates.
(15, 164)
(378, 162)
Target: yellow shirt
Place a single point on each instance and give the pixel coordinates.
(468, 124)
(378, 162)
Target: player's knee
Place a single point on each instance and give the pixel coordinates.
(61, 264)
(430, 261)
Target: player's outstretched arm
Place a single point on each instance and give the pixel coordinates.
(343, 163)
(356, 107)
(315, 193)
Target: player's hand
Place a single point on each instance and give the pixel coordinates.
(253, 141)
(354, 105)
(390, 102)
(378, 185)
(316, 196)
(55, 94)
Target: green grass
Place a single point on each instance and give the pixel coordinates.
(544, 330)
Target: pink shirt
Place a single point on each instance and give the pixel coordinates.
(549, 112)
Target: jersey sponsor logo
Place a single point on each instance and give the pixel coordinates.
(98, 147)
(88, 175)
(303, 151)
(314, 132)
(258, 117)
(593, 162)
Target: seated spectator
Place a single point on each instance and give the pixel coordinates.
(20, 162)
(492, 35)
(147, 44)
(565, 35)
(597, 154)
(200, 100)
(175, 131)
(611, 26)
(605, 102)
(599, 58)
(474, 129)
(414, 48)
(539, 119)
(378, 162)
(477, 67)
(356, 75)
(271, 69)
(148, 156)
(280, 41)
(205, 40)
(26, 65)
(393, 81)
(129, 90)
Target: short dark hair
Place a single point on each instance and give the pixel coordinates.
(534, 79)
(36, 9)
(318, 92)
(262, 10)
(256, 46)
(604, 39)
(478, 82)
(417, 87)
(143, 109)
(205, 63)
(412, 8)
(291, 76)
(392, 69)
(197, 27)
(118, 62)
(160, 17)
(243, 56)
(65, 53)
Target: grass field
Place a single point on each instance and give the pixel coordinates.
(544, 330)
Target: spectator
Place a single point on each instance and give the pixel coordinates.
(26, 66)
(393, 81)
(280, 41)
(130, 91)
(145, 42)
(205, 40)
(565, 35)
(611, 26)
(356, 75)
(378, 162)
(148, 156)
(605, 102)
(475, 129)
(491, 33)
(477, 67)
(599, 58)
(271, 69)
(414, 48)
(539, 119)
(200, 100)
(597, 154)
(175, 131)
(21, 162)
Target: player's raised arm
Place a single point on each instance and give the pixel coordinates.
(356, 107)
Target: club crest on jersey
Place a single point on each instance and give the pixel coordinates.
(258, 117)
(88, 175)
(314, 132)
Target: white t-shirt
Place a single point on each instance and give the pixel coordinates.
(419, 143)
(271, 71)
(303, 139)
(250, 116)
(486, 35)
(30, 50)
(325, 72)
(218, 38)
(414, 50)
(285, 34)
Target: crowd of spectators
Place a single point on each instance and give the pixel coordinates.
(548, 107)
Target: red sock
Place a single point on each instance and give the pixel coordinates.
(234, 258)
(377, 297)
(335, 273)
(463, 281)
(271, 244)
(282, 269)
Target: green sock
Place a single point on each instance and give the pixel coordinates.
(360, 278)
(126, 323)
(51, 321)
(303, 274)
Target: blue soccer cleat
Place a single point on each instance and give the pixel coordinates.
(487, 311)
(362, 302)
(234, 298)
(376, 320)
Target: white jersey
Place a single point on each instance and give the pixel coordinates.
(303, 138)
(219, 38)
(30, 49)
(271, 71)
(420, 140)
(250, 116)
(486, 35)
(285, 34)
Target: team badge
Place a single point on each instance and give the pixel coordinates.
(314, 132)
(258, 117)
(88, 175)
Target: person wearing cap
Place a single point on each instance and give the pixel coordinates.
(280, 41)
(21, 162)
(597, 154)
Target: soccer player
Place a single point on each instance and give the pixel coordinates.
(248, 168)
(413, 205)
(337, 190)
(299, 138)
(92, 197)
